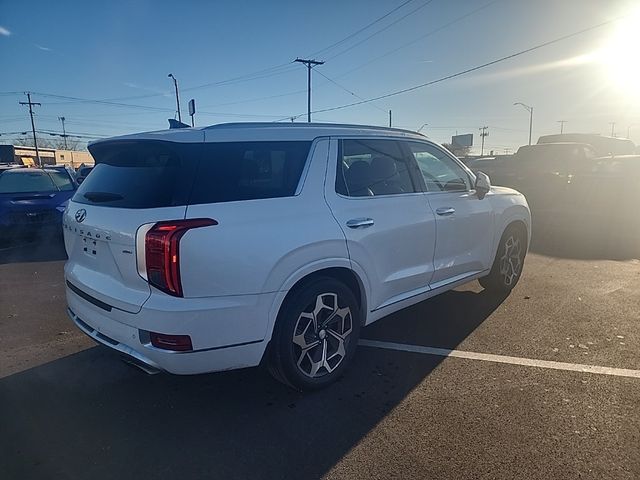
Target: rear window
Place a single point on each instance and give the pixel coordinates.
(152, 174)
(20, 181)
(248, 170)
(142, 174)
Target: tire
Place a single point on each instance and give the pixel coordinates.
(507, 265)
(292, 359)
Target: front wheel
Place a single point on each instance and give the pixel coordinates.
(507, 266)
(316, 335)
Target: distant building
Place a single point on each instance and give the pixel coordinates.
(50, 156)
(73, 158)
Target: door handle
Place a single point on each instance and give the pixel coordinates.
(444, 211)
(360, 222)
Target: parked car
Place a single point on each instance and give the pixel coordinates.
(82, 173)
(207, 249)
(32, 200)
(567, 184)
(602, 146)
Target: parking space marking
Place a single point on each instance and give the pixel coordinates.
(487, 357)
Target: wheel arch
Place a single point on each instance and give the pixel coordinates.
(514, 221)
(340, 271)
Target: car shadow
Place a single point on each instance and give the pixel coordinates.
(90, 416)
(585, 238)
(40, 249)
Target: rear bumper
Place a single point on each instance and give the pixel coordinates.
(124, 333)
(142, 361)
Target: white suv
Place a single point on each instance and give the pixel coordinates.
(205, 249)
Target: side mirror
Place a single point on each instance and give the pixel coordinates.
(483, 184)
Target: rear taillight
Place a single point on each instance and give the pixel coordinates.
(162, 252)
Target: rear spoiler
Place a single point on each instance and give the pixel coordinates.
(176, 124)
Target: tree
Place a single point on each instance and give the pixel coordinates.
(49, 142)
(457, 151)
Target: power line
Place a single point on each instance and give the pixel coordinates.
(72, 134)
(146, 107)
(350, 36)
(380, 31)
(349, 91)
(468, 70)
(278, 69)
(421, 37)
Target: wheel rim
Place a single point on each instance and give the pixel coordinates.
(511, 260)
(321, 336)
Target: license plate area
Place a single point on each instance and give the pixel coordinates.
(90, 246)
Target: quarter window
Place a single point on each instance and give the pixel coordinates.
(235, 171)
(368, 168)
(441, 173)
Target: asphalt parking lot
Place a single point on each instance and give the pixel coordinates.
(70, 409)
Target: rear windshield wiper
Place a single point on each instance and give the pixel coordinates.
(98, 197)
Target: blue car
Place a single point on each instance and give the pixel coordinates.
(32, 201)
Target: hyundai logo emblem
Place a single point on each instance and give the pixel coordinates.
(81, 215)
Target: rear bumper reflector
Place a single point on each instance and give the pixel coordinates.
(175, 343)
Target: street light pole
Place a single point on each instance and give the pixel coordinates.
(175, 84)
(530, 110)
(421, 127)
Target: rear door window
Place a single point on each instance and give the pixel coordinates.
(234, 171)
(372, 167)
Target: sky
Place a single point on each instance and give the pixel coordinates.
(104, 65)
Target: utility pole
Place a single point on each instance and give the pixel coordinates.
(613, 127)
(483, 133)
(175, 84)
(562, 122)
(64, 132)
(530, 110)
(33, 125)
(389, 118)
(310, 64)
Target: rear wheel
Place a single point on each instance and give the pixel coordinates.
(507, 266)
(316, 335)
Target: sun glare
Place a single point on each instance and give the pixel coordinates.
(619, 56)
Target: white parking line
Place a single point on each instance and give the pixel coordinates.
(487, 357)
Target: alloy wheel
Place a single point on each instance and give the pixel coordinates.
(511, 260)
(320, 336)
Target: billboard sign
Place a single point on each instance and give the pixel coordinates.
(465, 140)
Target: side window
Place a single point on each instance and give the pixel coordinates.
(372, 168)
(441, 173)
